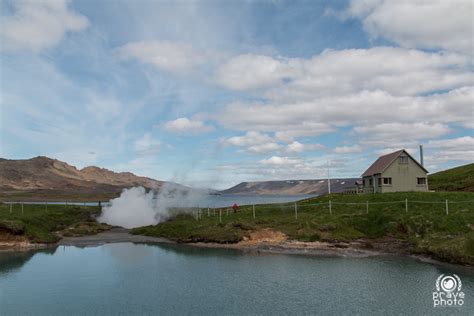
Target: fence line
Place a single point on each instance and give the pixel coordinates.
(296, 206)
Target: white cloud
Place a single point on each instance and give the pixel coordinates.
(297, 147)
(460, 143)
(38, 25)
(441, 151)
(400, 134)
(147, 145)
(366, 108)
(249, 71)
(438, 24)
(254, 142)
(397, 71)
(348, 149)
(281, 161)
(184, 125)
(174, 57)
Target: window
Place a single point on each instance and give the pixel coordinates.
(370, 182)
(403, 159)
(363, 182)
(379, 181)
(421, 181)
(387, 181)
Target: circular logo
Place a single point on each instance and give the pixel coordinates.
(448, 283)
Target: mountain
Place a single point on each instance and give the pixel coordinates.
(456, 179)
(292, 187)
(42, 176)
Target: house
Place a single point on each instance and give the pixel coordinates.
(395, 172)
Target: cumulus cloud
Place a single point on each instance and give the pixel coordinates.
(250, 71)
(400, 134)
(460, 149)
(437, 24)
(173, 57)
(366, 108)
(297, 147)
(397, 71)
(38, 25)
(183, 125)
(281, 161)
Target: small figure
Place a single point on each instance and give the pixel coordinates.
(235, 207)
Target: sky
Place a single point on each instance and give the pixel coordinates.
(213, 93)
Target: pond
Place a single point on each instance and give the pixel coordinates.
(128, 278)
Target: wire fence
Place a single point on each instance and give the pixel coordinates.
(296, 208)
(330, 207)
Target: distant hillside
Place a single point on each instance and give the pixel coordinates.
(455, 179)
(43, 176)
(292, 187)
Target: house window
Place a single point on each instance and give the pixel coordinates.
(403, 159)
(370, 182)
(363, 182)
(379, 181)
(387, 181)
(421, 181)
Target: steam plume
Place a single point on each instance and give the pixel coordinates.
(135, 207)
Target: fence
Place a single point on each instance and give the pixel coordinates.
(296, 208)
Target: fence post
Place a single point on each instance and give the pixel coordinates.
(330, 208)
(11, 206)
(208, 212)
(197, 215)
(227, 212)
(214, 209)
(447, 209)
(406, 205)
(296, 210)
(253, 207)
(367, 206)
(220, 215)
(22, 208)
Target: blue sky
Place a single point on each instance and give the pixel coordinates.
(212, 93)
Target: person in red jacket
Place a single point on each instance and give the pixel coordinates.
(235, 207)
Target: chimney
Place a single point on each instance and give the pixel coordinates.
(421, 155)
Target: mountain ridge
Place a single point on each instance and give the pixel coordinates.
(48, 175)
(292, 187)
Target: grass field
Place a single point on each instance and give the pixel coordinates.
(40, 225)
(426, 226)
(455, 179)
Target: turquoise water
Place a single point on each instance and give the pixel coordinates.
(175, 280)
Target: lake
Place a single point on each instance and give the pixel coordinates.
(205, 200)
(130, 278)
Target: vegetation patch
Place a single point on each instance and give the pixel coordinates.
(425, 226)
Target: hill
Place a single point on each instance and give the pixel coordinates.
(455, 179)
(43, 177)
(292, 187)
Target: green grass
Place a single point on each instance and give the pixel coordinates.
(426, 226)
(39, 225)
(455, 179)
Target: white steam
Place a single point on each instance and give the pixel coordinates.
(135, 207)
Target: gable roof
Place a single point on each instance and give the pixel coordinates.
(384, 161)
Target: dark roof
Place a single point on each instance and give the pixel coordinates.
(386, 160)
(380, 164)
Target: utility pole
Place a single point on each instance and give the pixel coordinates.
(329, 180)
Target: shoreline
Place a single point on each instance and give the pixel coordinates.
(353, 249)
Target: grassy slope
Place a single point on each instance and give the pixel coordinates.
(39, 224)
(455, 179)
(426, 226)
